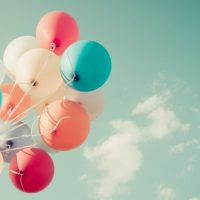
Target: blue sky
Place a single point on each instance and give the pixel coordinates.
(146, 144)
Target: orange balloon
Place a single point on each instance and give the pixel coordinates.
(64, 125)
(11, 101)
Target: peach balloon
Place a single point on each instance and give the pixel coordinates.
(11, 107)
(57, 28)
(64, 125)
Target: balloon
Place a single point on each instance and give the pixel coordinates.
(64, 125)
(15, 50)
(2, 72)
(38, 140)
(14, 136)
(38, 73)
(87, 63)
(57, 28)
(15, 102)
(58, 95)
(1, 163)
(31, 170)
(91, 101)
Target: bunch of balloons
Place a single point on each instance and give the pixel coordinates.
(57, 76)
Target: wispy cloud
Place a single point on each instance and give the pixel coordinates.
(165, 193)
(181, 147)
(118, 158)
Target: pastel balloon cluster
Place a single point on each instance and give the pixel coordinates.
(51, 99)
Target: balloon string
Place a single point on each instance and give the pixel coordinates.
(28, 90)
(21, 174)
(17, 148)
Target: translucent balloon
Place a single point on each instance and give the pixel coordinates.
(14, 136)
(57, 30)
(85, 65)
(31, 170)
(43, 102)
(65, 125)
(15, 102)
(38, 73)
(2, 72)
(15, 50)
(93, 102)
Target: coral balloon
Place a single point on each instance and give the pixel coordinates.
(15, 103)
(93, 102)
(1, 163)
(38, 140)
(38, 73)
(64, 125)
(87, 63)
(15, 50)
(14, 136)
(57, 28)
(31, 170)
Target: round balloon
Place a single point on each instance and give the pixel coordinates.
(64, 125)
(58, 95)
(13, 138)
(38, 139)
(85, 66)
(2, 72)
(38, 73)
(15, 102)
(1, 163)
(92, 101)
(31, 170)
(56, 31)
(15, 50)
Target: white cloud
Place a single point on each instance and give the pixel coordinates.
(180, 147)
(118, 158)
(162, 119)
(165, 193)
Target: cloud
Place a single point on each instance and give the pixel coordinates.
(181, 147)
(165, 193)
(118, 159)
(162, 119)
(194, 198)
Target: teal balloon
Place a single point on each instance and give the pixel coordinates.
(88, 63)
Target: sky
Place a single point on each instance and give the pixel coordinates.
(146, 143)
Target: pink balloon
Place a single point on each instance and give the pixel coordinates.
(31, 170)
(57, 30)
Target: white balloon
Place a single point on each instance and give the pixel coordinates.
(43, 102)
(38, 73)
(93, 102)
(15, 50)
(2, 72)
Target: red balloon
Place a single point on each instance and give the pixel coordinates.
(31, 170)
(57, 30)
